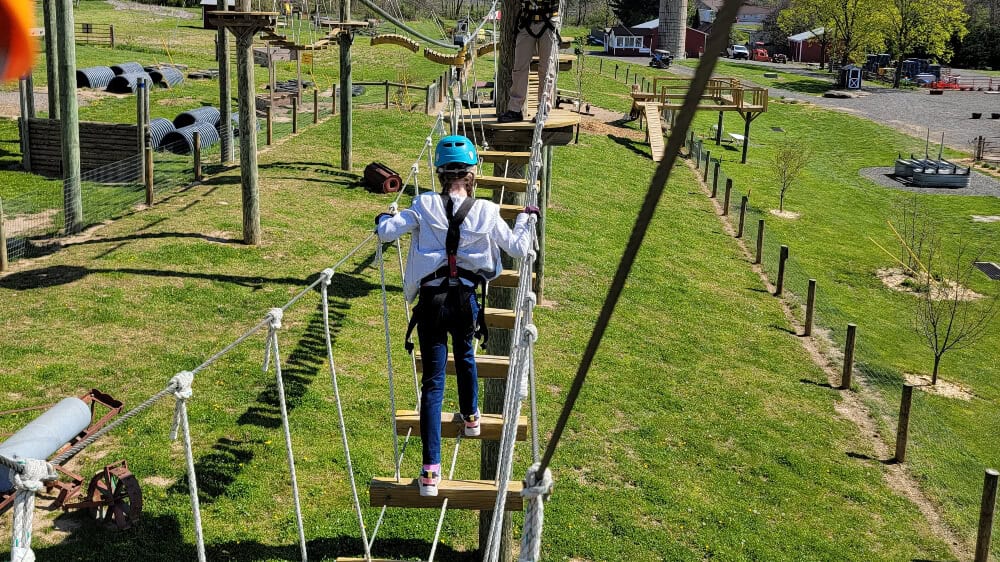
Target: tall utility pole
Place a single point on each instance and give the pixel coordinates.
(70, 118)
(247, 104)
(346, 38)
(52, 57)
(673, 26)
(225, 91)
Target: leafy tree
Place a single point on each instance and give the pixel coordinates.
(981, 47)
(790, 159)
(856, 26)
(631, 12)
(924, 25)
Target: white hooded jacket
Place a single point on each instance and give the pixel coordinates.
(482, 234)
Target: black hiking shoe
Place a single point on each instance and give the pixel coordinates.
(510, 117)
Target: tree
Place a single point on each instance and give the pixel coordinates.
(856, 26)
(790, 160)
(924, 25)
(631, 12)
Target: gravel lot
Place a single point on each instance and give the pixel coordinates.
(979, 184)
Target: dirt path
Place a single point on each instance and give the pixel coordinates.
(827, 357)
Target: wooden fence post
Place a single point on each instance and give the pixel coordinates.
(315, 106)
(427, 99)
(270, 125)
(616, 72)
(627, 69)
(810, 308)
(295, 115)
(387, 94)
(600, 68)
(149, 176)
(197, 156)
(782, 258)
(4, 263)
(441, 87)
(334, 91)
(903, 427)
(986, 511)
(760, 241)
(725, 200)
(845, 380)
(708, 163)
(111, 32)
(743, 214)
(715, 180)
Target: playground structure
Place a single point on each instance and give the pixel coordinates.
(660, 105)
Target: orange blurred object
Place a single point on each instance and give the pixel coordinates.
(17, 47)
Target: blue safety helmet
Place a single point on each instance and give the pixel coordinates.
(455, 151)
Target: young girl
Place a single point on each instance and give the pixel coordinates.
(455, 247)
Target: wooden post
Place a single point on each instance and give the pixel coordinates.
(903, 427)
(746, 137)
(225, 92)
(627, 69)
(725, 199)
(810, 308)
(441, 87)
(345, 88)
(70, 118)
(782, 258)
(708, 163)
(845, 379)
(298, 75)
(986, 511)
(600, 68)
(111, 31)
(315, 106)
(295, 116)
(148, 153)
(427, 98)
(52, 57)
(715, 180)
(760, 241)
(743, 214)
(718, 130)
(140, 124)
(387, 94)
(197, 156)
(616, 72)
(270, 126)
(24, 125)
(4, 263)
(249, 179)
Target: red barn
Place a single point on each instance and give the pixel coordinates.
(806, 46)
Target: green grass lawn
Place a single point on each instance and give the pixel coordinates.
(695, 436)
(842, 217)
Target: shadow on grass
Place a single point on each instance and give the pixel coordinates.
(156, 235)
(814, 383)
(631, 145)
(57, 275)
(864, 457)
(806, 86)
(162, 539)
(219, 469)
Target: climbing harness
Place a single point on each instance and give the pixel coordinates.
(538, 11)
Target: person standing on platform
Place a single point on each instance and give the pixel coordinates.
(537, 31)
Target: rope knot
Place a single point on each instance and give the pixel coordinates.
(274, 316)
(34, 474)
(181, 385)
(415, 168)
(428, 141)
(531, 333)
(326, 277)
(531, 299)
(535, 487)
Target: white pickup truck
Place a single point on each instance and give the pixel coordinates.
(737, 52)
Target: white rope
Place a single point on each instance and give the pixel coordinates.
(28, 480)
(444, 504)
(397, 458)
(275, 317)
(536, 491)
(181, 384)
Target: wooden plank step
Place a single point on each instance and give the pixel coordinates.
(451, 425)
(500, 318)
(510, 212)
(501, 157)
(487, 366)
(509, 278)
(461, 494)
(518, 185)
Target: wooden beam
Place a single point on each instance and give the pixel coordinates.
(70, 121)
(488, 366)
(496, 182)
(499, 318)
(461, 494)
(502, 157)
(491, 425)
(508, 278)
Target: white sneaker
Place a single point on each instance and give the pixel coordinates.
(428, 482)
(472, 425)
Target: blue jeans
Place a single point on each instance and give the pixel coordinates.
(433, 329)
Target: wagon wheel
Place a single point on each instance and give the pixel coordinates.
(118, 494)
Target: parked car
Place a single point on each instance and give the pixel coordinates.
(595, 40)
(660, 59)
(738, 52)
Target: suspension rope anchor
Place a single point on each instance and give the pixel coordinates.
(181, 386)
(273, 319)
(33, 475)
(275, 315)
(326, 276)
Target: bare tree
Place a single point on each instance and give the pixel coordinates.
(790, 159)
(945, 314)
(913, 227)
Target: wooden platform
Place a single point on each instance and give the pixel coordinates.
(488, 366)
(558, 119)
(654, 129)
(501, 157)
(490, 425)
(252, 20)
(462, 494)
